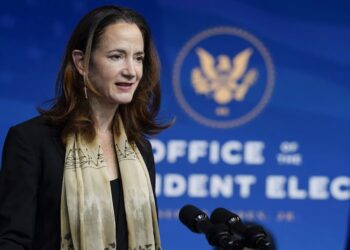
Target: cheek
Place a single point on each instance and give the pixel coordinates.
(140, 72)
(99, 80)
(101, 74)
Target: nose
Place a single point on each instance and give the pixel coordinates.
(129, 70)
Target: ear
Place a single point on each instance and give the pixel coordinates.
(78, 59)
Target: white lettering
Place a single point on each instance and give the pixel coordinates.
(293, 189)
(197, 185)
(230, 152)
(176, 149)
(226, 152)
(275, 187)
(253, 152)
(174, 185)
(196, 150)
(340, 188)
(245, 182)
(221, 186)
(214, 155)
(318, 187)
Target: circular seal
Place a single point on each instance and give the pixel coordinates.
(223, 77)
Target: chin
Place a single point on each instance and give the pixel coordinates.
(123, 100)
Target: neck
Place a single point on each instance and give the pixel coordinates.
(103, 114)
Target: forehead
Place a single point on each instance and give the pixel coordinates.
(121, 34)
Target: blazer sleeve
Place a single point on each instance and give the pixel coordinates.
(19, 177)
(152, 172)
(147, 154)
(150, 165)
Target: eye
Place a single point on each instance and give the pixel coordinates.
(140, 58)
(115, 57)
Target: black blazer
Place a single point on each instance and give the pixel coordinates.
(31, 183)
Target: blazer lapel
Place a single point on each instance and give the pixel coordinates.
(59, 145)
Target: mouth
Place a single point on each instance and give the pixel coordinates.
(124, 86)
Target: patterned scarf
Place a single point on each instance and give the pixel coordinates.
(87, 215)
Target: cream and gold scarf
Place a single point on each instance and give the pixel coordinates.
(87, 216)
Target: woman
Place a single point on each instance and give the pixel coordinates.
(81, 175)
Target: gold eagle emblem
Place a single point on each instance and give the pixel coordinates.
(226, 79)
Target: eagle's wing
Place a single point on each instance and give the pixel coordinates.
(248, 81)
(240, 63)
(207, 63)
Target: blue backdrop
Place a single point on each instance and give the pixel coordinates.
(261, 94)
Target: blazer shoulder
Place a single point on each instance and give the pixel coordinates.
(36, 127)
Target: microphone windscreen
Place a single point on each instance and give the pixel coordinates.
(188, 215)
(222, 215)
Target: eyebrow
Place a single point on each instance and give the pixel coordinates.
(124, 51)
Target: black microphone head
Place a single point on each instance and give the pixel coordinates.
(222, 216)
(190, 216)
(232, 220)
(217, 235)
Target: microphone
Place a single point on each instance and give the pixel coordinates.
(217, 235)
(253, 237)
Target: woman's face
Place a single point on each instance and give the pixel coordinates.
(117, 63)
